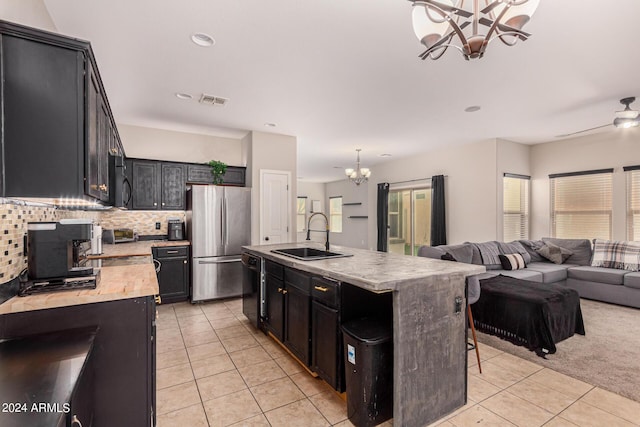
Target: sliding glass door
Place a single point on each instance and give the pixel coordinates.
(409, 220)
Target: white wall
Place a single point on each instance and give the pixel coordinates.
(612, 149)
(270, 151)
(312, 191)
(32, 13)
(470, 188)
(354, 230)
(160, 144)
(514, 158)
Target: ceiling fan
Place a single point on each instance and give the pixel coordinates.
(624, 118)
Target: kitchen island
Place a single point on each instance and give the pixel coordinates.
(429, 325)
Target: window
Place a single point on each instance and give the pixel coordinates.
(409, 220)
(515, 207)
(301, 216)
(581, 204)
(335, 214)
(633, 202)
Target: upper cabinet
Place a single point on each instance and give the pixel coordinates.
(58, 127)
(157, 185)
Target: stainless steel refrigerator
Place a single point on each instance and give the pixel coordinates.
(218, 225)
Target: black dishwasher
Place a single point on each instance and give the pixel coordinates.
(326, 341)
(251, 288)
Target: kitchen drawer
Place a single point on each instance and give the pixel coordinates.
(171, 252)
(298, 279)
(326, 291)
(274, 269)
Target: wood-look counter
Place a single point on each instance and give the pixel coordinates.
(116, 283)
(139, 248)
(429, 323)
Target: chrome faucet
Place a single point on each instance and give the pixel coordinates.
(309, 230)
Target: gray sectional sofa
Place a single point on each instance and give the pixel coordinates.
(602, 284)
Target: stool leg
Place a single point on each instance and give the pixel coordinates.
(473, 333)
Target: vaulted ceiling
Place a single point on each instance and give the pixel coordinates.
(345, 74)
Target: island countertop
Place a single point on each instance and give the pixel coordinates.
(371, 270)
(116, 283)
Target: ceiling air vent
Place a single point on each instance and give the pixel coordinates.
(212, 100)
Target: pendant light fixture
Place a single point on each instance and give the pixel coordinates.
(473, 24)
(358, 175)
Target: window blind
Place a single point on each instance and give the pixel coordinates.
(515, 207)
(581, 204)
(335, 214)
(633, 203)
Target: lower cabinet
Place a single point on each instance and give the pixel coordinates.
(123, 356)
(326, 344)
(297, 302)
(274, 299)
(172, 264)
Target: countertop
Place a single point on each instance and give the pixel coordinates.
(118, 282)
(139, 248)
(41, 369)
(371, 270)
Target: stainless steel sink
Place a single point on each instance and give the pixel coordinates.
(309, 254)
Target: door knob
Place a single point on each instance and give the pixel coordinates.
(266, 238)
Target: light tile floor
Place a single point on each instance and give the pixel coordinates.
(215, 369)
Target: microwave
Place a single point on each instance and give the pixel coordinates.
(118, 235)
(120, 193)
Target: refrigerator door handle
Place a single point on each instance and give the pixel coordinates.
(226, 224)
(219, 262)
(222, 221)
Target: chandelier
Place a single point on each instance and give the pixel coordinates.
(436, 23)
(358, 175)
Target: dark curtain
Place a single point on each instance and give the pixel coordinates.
(438, 217)
(383, 215)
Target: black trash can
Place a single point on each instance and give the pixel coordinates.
(368, 360)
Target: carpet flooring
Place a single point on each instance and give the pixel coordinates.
(608, 356)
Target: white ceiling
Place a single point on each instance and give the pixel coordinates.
(344, 74)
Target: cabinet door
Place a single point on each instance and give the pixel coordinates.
(326, 349)
(275, 306)
(145, 185)
(234, 176)
(297, 314)
(173, 279)
(104, 143)
(92, 174)
(199, 174)
(173, 186)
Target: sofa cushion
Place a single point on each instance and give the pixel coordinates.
(554, 253)
(512, 262)
(532, 246)
(610, 276)
(581, 249)
(616, 254)
(632, 280)
(515, 247)
(550, 272)
(461, 253)
(525, 274)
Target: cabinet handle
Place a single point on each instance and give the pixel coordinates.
(320, 288)
(158, 299)
(172, 252)
(75, 421)
(284, 292)
(280, 290)
(162, 203)
(184, 262)
(155, 204)
(102, 187)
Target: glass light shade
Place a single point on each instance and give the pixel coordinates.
(626, 123)
(518, 16)
(426, 30)
(627, 114)
(365, 172)
(349, 171)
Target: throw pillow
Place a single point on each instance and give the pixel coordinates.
(448, 257)
(616, 254)
(554, 253)
(512, 262)
(581, 249)
(515, 247)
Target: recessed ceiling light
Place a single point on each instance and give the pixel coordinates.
(202, 39)
(472, 109)
(181, 95)
(385, 155)
(270, 125)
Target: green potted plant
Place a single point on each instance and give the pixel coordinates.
(218, 169)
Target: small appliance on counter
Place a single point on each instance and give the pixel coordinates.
(118, 235)
(175, 230)
(96, 240)
(57, 257)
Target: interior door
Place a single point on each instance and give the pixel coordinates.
(275, 207)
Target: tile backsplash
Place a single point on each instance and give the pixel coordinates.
(14, 217)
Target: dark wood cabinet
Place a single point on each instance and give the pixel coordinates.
(235, 175)
(297, 315)
(201, 174)
(274, 299)
(173, 273)
(56, 121)
(173, 186)
(157, 185)
(145, 185)
(326, 345)
(123, 354)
